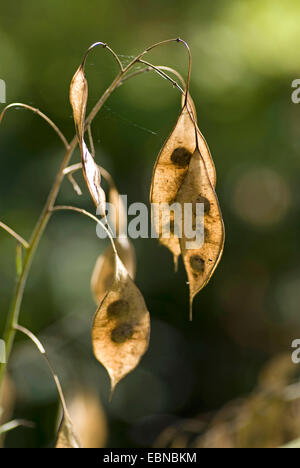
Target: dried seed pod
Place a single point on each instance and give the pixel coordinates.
(200, 263)
(103, 274)
(171, 167)
(121, 327)
(169, 171)
(91, 172)
(66, 437)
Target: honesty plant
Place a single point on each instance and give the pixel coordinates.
(184, 173)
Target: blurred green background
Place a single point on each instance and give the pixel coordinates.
(245, 57)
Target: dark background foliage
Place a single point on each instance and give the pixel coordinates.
(245, 57)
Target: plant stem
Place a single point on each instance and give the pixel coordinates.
(14, 424)
(89, 215)
(161, 73)
(41, 114)
(13, 315)
(41, 349)
(15, 235)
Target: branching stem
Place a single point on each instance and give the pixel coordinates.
(15, 235)
(13, 315)
(163, 74)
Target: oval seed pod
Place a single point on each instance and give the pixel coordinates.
(169, 171)
(66, 437)
(202, 144)
(201, 263)
(121, 327)
(91, 172)
(104, 270)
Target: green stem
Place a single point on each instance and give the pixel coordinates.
(13, 315)
(41, 349)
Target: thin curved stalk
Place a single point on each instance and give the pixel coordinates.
(74, 184)
(41, 349)
(42, 115)
(178, 39)
(77, 167)
(105, 46)
(89, 215)
(15, 235)
(91, 140)
(107, 176)
(175, 72)
(70, 169)
(150, 68)
(163, 74)
(133, 74)
(116, 82)
(11, 425)
(13, 315)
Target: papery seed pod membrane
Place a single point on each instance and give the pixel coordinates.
(66, 437)
(91, 172)
(169, 171)
(200, 263)
(121, 327)
(172, 165)
(78, 99)
(92, 177)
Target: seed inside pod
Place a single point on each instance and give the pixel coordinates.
(122, 333)
(201, 199)
(118, 308)
(181, 156)
(197, 263)
(169, 171)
